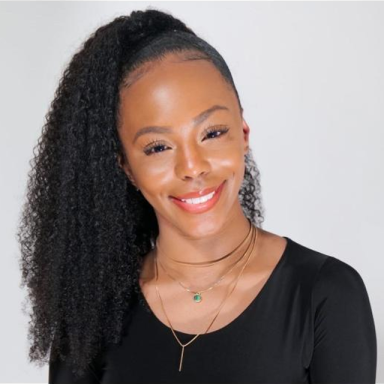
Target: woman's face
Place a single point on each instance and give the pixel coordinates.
(189, 100)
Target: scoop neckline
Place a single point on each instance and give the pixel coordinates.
(238, 319)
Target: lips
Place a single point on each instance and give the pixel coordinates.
(196, 194)
(200, 208)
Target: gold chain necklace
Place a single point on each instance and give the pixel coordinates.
(209, 263)
(197, 295)
(254, 241)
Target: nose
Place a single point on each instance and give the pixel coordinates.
(191, 162)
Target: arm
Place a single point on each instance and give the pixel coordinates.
(60, 372)
(345, 349)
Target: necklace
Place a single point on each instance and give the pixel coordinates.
(197, 295)
(208, 263)
(254, 241)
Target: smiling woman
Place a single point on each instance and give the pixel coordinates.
(142, 242)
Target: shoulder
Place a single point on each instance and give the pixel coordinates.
(303, 264)
(335, 273)
(340, 282)
(324, 274)
(330, 277)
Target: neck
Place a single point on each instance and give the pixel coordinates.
(175, 248)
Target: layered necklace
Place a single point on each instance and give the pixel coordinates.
(197, 295)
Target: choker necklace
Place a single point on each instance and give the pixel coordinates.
(208, 263)
(197, 295)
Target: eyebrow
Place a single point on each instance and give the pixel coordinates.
(166, 129)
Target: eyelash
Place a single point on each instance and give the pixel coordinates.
(209, 130)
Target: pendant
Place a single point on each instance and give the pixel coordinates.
(197, 297)
(181, 358)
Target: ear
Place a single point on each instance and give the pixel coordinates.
(246, 131)
(126, 168)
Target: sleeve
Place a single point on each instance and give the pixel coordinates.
(60, 372)
(344, 344)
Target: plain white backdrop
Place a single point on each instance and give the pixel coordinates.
(311, 80)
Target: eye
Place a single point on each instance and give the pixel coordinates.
(150, 149)
(224, 129)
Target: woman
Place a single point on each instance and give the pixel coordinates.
(142, 241)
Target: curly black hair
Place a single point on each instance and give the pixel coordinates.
(84, 228)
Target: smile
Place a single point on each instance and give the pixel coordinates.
(200, 204)
(200, 200)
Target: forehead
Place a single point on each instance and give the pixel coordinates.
(173, 90)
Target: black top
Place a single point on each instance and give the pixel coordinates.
(311, 323)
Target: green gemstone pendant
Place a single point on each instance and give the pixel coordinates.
(197, 298)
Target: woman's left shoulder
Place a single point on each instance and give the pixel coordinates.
(334, 284)
(339, 278)
(327, 271)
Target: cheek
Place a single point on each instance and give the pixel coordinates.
(155, 177)
(236, 169)
(234, 162)
(159, 167)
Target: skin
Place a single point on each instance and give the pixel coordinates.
(171, 92)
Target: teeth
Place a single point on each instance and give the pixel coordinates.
(199, 200)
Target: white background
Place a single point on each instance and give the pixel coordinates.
(311, 79)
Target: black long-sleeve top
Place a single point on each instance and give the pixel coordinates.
(311, 323)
